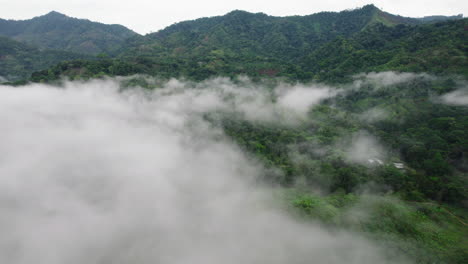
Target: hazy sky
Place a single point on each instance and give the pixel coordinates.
(144, 16)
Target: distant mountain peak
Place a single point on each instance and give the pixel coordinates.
(370, 6)
(239, 12)
(55, 14)
(57, 31)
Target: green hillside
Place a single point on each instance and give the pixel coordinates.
(59, 32)
(19, 60)
(248, 34)
(438, 48)
(326, 46)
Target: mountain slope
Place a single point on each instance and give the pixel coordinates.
(327, 46)
(258, 34)
(19, 60)
(436, 48)
(60, 32)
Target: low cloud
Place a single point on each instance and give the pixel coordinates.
(363, 148)
(300, 98)
(373, 115)
(284, 103)
(458, 97)
(388, 78)
(94, 174)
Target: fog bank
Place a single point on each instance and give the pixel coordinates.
(92, 174)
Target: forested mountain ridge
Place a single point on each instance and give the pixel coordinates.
(257, 44)
(258, 34)
(434, 48)
(60, 32)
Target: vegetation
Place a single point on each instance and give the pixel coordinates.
(329, 47)
(414, 131)
(419, 208)
(59, 32)
(436, 48)
(426, 232)
(18, 60)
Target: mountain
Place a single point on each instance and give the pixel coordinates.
(257, 34)
(178, 51)
(60, 32)
(436, 48)
(250, 34)
(327, 46)
(18, 60)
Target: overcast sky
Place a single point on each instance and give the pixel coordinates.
(144, 16)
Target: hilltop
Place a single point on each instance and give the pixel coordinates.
(60, 32)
